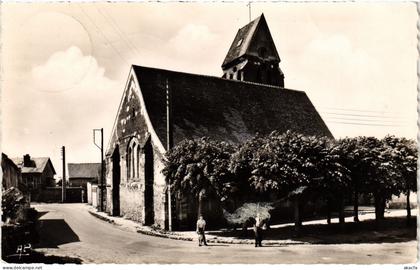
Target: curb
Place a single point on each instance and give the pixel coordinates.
(102, 218)
(210, 238)
(142, 231)
(163, 235)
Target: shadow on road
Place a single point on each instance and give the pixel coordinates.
(38, 257)
(41, 213)
(55, 232)
(387, 231)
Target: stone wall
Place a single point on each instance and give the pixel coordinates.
(132, 201)
(159, 187)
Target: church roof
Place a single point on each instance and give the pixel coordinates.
(242, 43)
(222, 109)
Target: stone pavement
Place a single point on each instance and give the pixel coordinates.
(211, 236)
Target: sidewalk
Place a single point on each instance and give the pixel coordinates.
(222, 236)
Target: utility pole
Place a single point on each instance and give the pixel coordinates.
(63, 181)
(101, 147)
(168, 147)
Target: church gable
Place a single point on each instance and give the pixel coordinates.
(130, 121)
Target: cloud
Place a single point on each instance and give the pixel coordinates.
(63, 100)
(192, 40)
(66, 70)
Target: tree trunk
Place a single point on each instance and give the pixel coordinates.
(200, 207)
(201, 196)
(298, 219)
(408, 207)
(329, 211)
(341, 216)
(379, 207)
(356, 205)
(382, 208)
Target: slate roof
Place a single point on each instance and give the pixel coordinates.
(245, 34)
(223, 109)
(40, 164)
(84, 170)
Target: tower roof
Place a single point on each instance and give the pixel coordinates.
(248, 39)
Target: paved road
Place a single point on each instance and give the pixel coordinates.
(69, 230)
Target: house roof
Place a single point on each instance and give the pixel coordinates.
(5, 158)
(84, 170)
(242, 44)
(223, 109)
(40, 164)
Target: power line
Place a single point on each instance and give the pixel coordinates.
(364, 124)
(356, 110)
(119, 32)
(364, 115)
(365, 120)
(102, 34)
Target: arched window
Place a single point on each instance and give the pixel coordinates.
(133, 157)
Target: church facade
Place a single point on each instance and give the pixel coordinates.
(160, 108)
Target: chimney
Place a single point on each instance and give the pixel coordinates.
(27, 161)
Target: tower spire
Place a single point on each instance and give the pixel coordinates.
(253, 56)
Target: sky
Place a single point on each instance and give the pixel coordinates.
(64, 65)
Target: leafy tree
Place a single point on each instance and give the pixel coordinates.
(380, 172)
(241, 168)
(334, 179)
(362, 156)
(352, 157)
(401, 155)
(288, 163)
(200, 167)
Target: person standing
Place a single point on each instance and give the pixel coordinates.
(201, 227)
(258, 231)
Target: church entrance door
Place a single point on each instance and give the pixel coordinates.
(149, 181)
(116, 179)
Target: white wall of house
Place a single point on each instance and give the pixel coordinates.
(89, 192)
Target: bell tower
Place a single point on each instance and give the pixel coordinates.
(253, 56)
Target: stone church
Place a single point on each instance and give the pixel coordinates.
(160, 108)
